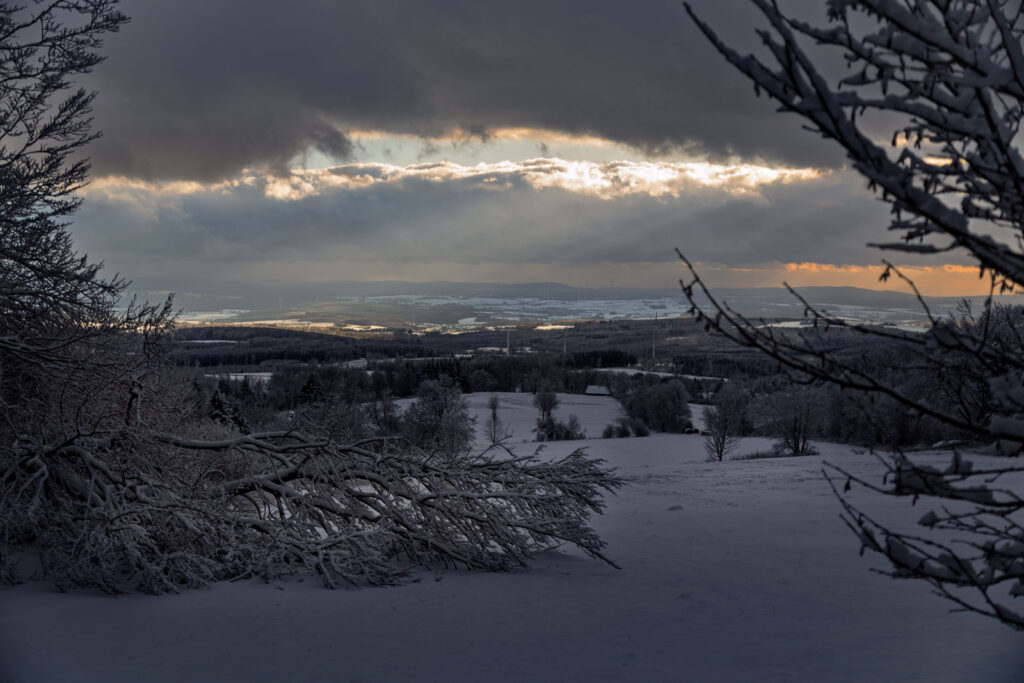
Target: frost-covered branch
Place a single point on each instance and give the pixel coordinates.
(950, 71)
(184, 512)
(108, 473)
(980, 574)
(951, 74)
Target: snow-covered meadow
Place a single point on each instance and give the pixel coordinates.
(734, 571)
(519, 415)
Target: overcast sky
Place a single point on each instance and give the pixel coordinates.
(580, 142)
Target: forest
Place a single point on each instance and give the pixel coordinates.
(309, 369)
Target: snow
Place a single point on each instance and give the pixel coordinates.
(518, 413)
(639, 371)
(697, 415)
(905, 326)
(731, 571)
(539, 310)
(636, 371)
(788, 324)
(197, 317)
(360, 328)
(271, 321)
(258, 377)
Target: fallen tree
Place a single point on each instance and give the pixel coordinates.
(110, 476)
(145, 511)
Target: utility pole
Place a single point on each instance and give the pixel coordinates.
(654, 343)
(508, 342)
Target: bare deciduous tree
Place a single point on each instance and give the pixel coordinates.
(439, 418)
(794, 416)
(722, 424)
(497, 432)
(952, 73)
(545, 401)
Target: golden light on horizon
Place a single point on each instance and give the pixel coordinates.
(943, 280)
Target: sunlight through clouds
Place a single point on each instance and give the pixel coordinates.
(611, 180)
(542, 211)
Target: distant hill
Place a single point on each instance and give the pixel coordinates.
(265, 296)
(836, 296)
(755, 301)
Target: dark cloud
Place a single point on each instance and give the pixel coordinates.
(468, 220)
(199, 89)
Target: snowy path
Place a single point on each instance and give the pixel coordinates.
(736, 571)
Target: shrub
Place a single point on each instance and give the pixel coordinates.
(663, 407)
(553, 430)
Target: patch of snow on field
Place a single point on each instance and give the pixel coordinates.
(697, 416)
(258, 377)
(635, 371)
(361, 328)
(518, 413)
(734, 571)
(196, 317)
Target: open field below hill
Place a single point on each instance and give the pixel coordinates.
(731, 571)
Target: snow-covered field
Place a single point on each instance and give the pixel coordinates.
(735, 571)
(519, 415)
(541, 310)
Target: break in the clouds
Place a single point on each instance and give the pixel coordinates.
(536, 212)
(200, 90)
(609, 180)
(320, 140)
